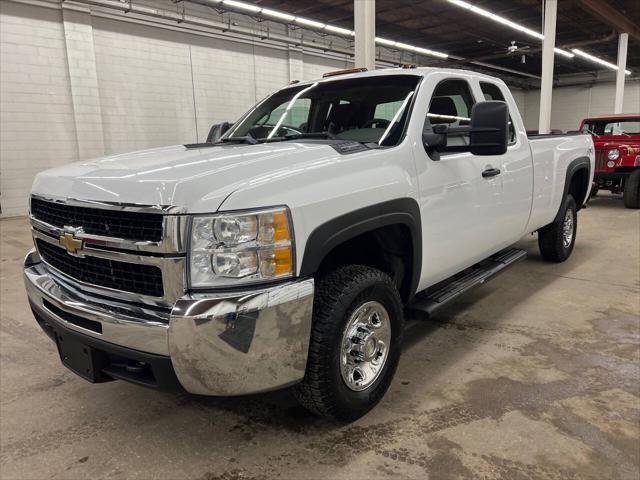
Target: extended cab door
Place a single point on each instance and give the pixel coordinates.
(465, 217)
(516, 166)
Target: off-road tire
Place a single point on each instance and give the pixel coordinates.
(551, 239)
(631, 194)
(337, 295)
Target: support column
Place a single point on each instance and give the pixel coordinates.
(296, 64)
(623, 41)
(548, 57)
(364, 19)
(83, 77)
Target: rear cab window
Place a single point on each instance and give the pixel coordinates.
(492, 92)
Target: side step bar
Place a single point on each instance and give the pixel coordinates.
(432, 299)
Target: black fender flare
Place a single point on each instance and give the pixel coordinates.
(580, 163)
(327, 236)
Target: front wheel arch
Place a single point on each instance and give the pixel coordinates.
(371, 220)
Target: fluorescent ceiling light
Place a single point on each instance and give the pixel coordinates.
(410, 48)
(600, 61)
(405, 46)
(343, 31)
(386, 42)
(242, 6)
(564, 52)
(277, 14)
(504, 21)
(309, 23)
(426, 51)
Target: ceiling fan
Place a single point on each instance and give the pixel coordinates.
(513, 48)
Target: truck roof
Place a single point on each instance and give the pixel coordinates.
(418, 71)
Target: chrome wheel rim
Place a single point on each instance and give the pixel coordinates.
(365, 346)
(567, 229)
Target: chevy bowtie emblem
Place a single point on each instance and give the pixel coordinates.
(71, 243)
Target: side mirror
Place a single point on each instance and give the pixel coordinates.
(489, 128)
(488, 132)
(217, 131)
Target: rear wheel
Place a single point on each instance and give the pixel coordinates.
(355, 343)
(631, 194)
(556, 240)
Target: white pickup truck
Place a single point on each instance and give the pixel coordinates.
(286, 253)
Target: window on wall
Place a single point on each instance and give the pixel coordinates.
(492, 92)
(451, 103)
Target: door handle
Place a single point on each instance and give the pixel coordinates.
(490, 172)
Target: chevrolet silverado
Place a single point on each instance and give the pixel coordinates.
(286, 253)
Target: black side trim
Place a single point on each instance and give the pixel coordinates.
(576, 165)
(326, 237)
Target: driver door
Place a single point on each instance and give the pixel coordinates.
(459, 206)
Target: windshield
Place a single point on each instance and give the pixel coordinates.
(366, 110)
(626, 126)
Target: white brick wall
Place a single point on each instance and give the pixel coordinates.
(76, 86)
(572, 104)
(37, 128)
(144, 81)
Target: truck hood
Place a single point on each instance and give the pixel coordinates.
(195, 179)
(614, 141)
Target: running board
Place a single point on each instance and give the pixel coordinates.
(432, 299)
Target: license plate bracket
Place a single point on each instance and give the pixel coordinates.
(81, 359)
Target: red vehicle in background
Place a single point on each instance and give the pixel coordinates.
(617, 142)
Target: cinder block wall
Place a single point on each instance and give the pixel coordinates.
(77, 86)
(569, 105)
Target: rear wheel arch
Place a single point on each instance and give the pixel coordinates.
(393, 226)
(576, 183)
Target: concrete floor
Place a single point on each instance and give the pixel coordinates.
(535, 375)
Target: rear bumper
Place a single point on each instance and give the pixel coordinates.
(604, 177)
(229, 343)
(620, 173)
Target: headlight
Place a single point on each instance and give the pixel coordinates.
(240, 248)
(613, 154)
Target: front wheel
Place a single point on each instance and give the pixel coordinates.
(556, 240)
(355, 343)
(631, 194)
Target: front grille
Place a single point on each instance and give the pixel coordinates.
(601, 160)
(129, 277)
(97, 221)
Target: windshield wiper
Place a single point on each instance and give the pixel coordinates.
(325, 134)
(248, 139)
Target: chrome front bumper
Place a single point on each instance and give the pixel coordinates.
(231, 343)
